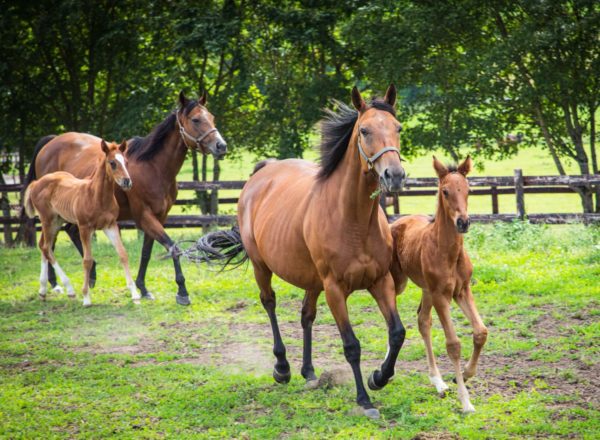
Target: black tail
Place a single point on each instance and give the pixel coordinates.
(38, 147)
(220, 248)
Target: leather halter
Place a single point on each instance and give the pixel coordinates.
(371, 160)
(197, 140)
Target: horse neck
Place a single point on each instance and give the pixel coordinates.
(171, 156)
(102, 185)
(449, 241)
(353, 188)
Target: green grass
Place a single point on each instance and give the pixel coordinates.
(161, 370)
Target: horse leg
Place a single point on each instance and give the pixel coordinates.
(480, 332)
(140, 281)
(424, 313)
(442, 307)
(281, 372)
(86, 241)
(309, 312)
(150, 225)
(49, 231)
(385, 295)
(52, 275)
(336, 299)
(44, 269)
(113, 235)
(73, 232)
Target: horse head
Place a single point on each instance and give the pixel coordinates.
(454, 191)
(115, 163)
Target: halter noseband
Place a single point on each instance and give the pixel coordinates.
(371, 160)
(185, 134)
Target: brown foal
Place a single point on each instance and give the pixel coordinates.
(432, 255)
(88, 203)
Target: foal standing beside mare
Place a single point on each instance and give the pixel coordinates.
(88, 203)
(153, 162)
(432, 255)
(321, 228)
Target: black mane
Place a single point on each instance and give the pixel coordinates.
(145, 148)
(336, 130)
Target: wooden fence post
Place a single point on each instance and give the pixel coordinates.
(519, 193)
(494, 190)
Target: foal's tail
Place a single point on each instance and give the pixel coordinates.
(27, 203)
(222, 248)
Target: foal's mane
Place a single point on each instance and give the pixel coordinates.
(336, 130)
(145, 148)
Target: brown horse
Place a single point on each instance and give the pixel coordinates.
(88, 203)
(432, 255)
(321, 228)
(153, 163)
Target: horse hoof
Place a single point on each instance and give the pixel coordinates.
(148, 296)
(183, 300)
(42, 297)
(372, 413)
(442, 394)
(371, 382)
(311, 384)
(137, 301)
(57, 289)
(469, 409)
(281, 377)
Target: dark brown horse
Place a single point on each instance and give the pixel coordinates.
(432, 255)
(153, 163)
(321, 228)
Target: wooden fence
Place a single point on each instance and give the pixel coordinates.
(518, 185)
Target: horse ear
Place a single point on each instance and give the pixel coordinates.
(466, 166)
(182, 99)
(104, 147)
(439, 168)
(390, 95)
(203, 98)
(357, 101)
(123, 146)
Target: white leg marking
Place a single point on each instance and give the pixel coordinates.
(64, 279)
(44, 278)
(115, 238)
(439, 384)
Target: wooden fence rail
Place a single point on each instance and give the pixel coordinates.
(518, 185)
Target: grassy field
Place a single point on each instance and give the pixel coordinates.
(160, 370)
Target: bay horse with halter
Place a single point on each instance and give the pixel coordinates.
(153, 162)
(88, 203)
(432, 255)
(321, 228)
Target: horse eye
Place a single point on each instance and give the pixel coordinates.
(399, 129)
(445, 191)
(113, 164)
(195, 120)
(364, 131)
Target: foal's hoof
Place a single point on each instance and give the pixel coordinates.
(57, 289)
(281, 377)
(372, 413)
(183, 300)
(469, 409)
(372, 381)
(42, 297)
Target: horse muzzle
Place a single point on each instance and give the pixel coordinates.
(125, 184)
(462, 225)
(219, 149)
(392, 179)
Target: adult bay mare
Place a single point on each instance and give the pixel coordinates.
(153, 163)
(321, 228)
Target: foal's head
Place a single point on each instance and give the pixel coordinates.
(379, 138)
(454, 191)
(115, 163)
(197, 127)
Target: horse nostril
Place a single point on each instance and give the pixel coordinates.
(221, 146)
(386, 173)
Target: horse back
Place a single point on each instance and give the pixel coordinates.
(75, 153)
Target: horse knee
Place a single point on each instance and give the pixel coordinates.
(453, 349)
(424, 324)
(352, 351)
(308, 317)
(480, 337)
(88, 263)
(397, 335)
(180, 279)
